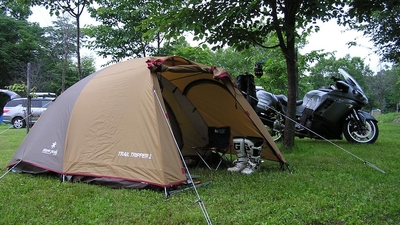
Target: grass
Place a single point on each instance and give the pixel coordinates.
(328, 186)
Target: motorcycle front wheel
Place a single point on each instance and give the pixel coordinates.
(368, 133)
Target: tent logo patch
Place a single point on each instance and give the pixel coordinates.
(52, 151)
(134, 155)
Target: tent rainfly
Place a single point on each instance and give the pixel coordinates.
(126, 125)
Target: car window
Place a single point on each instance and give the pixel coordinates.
(36, 103)
(46, 103)
(14, 103)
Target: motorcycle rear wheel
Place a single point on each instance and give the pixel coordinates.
(367, 134)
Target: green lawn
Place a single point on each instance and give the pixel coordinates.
(328, 186)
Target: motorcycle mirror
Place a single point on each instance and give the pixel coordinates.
(258, 71)
(334, 78)
(341, 85)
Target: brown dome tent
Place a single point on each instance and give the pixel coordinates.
(124, 125)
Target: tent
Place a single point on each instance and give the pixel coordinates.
(125, 125)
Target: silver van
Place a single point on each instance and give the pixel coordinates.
(14, 111)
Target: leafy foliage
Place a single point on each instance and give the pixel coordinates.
(62, 40)
(240, 23)
(118, 35)
(379, 20)
(385, 90)
(20, 88)
(16, 9)
(45, 49)
(20, 43)
(321, 73)
(75, 9)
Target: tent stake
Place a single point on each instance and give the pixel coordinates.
(10, 169)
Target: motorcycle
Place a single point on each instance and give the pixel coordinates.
(326, 113)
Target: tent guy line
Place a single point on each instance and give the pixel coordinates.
(320, 136)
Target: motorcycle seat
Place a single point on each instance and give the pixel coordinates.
(283, 100)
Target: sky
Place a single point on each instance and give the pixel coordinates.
(330, 38)
(334, 38)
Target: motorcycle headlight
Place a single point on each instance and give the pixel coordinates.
(360, 96)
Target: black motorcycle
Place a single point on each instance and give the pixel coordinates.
(326, 113)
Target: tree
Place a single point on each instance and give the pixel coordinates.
(21, 42)
(182, 48)
(74, 8)
(118, 35)
(394, 97)
(61, 40)
(51, 67)
(16, 9)
(238, 62)
(384, 89)
(234, 61)
(244, 23)
(46, 49)
(71, 77)
(379, 20)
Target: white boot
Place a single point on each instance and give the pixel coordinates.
(253, 153)
(249, 169)
(242, 160)
(240, 164)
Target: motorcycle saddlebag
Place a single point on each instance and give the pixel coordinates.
(265, 101)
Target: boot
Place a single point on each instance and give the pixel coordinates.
(241, 161)
(253, 153)
(239, 165)
(249, 169)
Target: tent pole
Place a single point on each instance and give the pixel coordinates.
(201, 204)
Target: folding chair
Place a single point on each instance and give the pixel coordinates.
(219, 141)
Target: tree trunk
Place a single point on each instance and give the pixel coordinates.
(292, 97)
(291, 65)
(78, 40)
(66, 34)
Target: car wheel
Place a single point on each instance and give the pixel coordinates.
(18, 123)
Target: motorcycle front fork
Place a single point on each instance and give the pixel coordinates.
(358, 119)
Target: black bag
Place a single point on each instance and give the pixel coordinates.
(245, 83)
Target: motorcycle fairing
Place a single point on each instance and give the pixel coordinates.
(325, 128)
(329, 104)
(313, 99)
